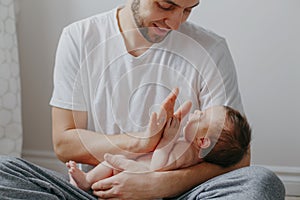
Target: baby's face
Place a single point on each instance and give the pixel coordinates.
(200, 122)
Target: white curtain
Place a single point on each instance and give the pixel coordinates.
(10, 102)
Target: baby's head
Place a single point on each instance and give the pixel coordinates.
(221, 134)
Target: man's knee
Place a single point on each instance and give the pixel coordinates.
(7, 161)
(4, 159)
(264, 176)
(266, 182)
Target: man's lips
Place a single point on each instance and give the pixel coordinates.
(160, 31)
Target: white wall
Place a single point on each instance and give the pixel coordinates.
(262, 36)
(39, 25)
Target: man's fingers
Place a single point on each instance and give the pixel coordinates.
(103, 189)
(101, 185)
(183, 110)
(167, 106)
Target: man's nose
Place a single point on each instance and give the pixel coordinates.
(174, 20)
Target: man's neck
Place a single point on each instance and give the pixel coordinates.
(135, 43)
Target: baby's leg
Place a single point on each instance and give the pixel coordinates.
(85, 180)
(77, 177)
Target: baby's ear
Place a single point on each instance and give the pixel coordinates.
(204, 142)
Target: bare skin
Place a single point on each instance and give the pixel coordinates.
(170, 153)
(85, 180)
(69, 132)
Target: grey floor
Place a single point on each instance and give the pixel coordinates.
(292, 198)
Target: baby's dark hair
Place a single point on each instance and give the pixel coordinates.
(233, 142)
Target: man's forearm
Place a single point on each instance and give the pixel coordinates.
(89, 147)
(182, 180)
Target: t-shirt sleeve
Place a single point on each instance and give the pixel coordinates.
(68, 91)
(220, 83)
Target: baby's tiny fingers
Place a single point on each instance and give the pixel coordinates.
(169, 123)
(175, 122)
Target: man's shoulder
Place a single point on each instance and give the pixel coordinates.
(101, 19)
(204, 37)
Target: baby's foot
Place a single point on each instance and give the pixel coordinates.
(77, 177)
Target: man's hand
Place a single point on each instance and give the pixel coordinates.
(129, 184)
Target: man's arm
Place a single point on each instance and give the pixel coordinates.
(72, 141)
(182, 180)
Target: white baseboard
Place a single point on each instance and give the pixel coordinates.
(45, 159)
(290, 176)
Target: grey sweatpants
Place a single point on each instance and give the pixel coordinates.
(20, 179)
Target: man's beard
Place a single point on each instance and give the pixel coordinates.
(144, 30)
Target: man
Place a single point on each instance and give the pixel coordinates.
(112, 69)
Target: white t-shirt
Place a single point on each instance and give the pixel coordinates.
(95, 73)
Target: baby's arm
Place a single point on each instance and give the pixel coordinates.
(161, 154)
(182, 155)
(173, 154)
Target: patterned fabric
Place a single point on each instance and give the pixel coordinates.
(20, 179)
(10, 101)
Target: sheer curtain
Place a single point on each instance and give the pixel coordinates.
(10, 103)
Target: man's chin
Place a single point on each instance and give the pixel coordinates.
(157, 38)
(151, 36)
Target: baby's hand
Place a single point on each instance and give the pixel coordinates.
(161, 155)
(167, 107)
(171, 131)
(153, 133)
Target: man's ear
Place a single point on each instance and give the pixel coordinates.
(204, 142)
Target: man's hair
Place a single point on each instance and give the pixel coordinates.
(233, 142)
